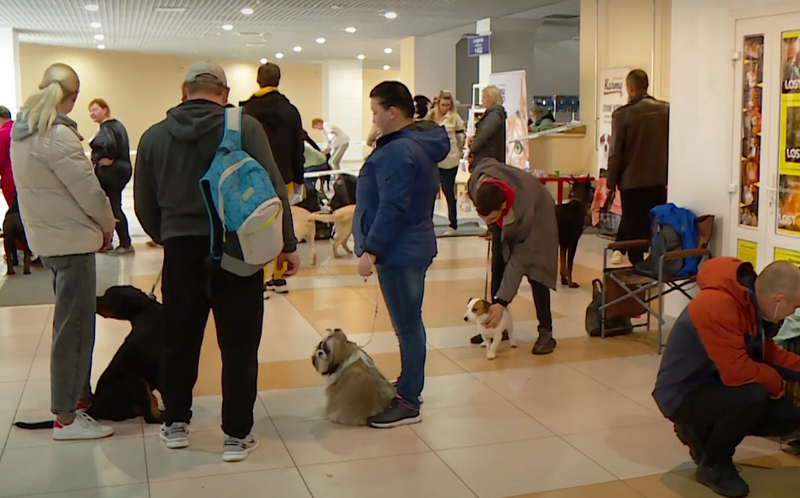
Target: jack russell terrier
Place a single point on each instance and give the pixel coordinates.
(478, 310)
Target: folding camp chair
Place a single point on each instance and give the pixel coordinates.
(629, 294)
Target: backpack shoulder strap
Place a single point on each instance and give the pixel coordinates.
(232, 138)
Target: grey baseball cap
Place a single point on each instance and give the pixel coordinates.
(207, 71)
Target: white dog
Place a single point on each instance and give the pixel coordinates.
(478, 310)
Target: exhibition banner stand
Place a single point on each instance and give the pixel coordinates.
(613, 95)
(789, 186)
(514, 87)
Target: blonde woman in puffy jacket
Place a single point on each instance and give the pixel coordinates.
(444, 114)
(67, 220)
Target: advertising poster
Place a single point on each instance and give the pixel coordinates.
(613, 95)
(747, 251)
(753, 88)
(789, 185)
(787, 255)
(514, 87)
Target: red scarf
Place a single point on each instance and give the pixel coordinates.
(508, 194)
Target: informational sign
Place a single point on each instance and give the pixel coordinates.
(787, 255)
(753, 88)
(747, 251)
(513, 86)
(789, 186)
(478, 45)
(613, 95)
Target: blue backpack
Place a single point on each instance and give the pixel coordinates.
(245, 212)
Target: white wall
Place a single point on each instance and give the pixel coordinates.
(556, 68)
(435, 64)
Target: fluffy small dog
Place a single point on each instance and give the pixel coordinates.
(305, 227)
(355, 388)
(478, 310)
(13, 236)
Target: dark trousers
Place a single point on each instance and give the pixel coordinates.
(723, 416)
(113, 180)
(635, 222)
(541, 293)
(191, 288)
(447, 179)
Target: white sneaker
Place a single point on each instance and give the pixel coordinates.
(451, 232)
(175, 436)
(616, 258)
(236, 450)
(83, 427)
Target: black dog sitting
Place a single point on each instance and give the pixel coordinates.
(13, 236)
(125, 389)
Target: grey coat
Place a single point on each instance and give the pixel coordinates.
(530, 232)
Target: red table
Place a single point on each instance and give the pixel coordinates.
(561, 180)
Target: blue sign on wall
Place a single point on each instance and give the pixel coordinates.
(478, 45)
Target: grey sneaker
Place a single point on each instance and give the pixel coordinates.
(175, 436)
(236, 450)
(121, 251)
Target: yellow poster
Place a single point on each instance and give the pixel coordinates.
(747, 252)
(787, 255)
(789, 185)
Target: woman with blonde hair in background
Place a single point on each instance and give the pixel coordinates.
(444, 114)
(67, 220)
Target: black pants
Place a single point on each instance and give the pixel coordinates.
(113, 180)
(191, 288)
(447, 179)
(541, 293)
(635, 222)
(723, 416)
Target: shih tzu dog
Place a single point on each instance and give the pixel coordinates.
(355, 388)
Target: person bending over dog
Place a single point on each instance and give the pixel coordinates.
(393, 229)
(525, 212)
(721, 376)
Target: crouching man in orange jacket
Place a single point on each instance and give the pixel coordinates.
(721, 375)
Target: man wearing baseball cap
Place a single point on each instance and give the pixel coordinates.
(172, 157)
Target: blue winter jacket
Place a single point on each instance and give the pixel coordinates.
(395, 196)
(682, 220)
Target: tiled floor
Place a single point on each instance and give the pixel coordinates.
(578, 423)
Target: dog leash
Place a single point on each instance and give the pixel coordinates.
(152, 293)
(488, 265)
(375, 315)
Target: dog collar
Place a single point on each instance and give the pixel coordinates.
(333, 376)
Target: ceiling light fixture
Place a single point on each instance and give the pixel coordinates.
(350, 30)
(92, 7)
(387, 67)
(227, 27)
(390, 15)
(101, 47)
(387, 50)
(247, 11)
(279, 55)
(298, 49)
(360, 57)
(99, 37)
(321, 40)
(96, 25)
(263, 61)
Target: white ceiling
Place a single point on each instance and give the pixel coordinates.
(275, 26)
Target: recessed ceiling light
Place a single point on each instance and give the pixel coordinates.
(263, 61)
(101, 47)
(96, 25)
(99, 37)
(387, 50)
(279, 55)
(321, 40)
(247, 11)
(387, 67)
(298, 49)
(390, 15)
(91, 7)
(360, 57)
(350, 29)
(227, 27)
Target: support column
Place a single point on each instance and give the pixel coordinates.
(408, 62)
(483, 27)
(10, 88)
(342, 101)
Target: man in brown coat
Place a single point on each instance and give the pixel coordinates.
(524, 210)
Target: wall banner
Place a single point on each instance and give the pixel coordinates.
(789, 182)
(752, 99)
(514, 87)
(613, 95)
(747, 251)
